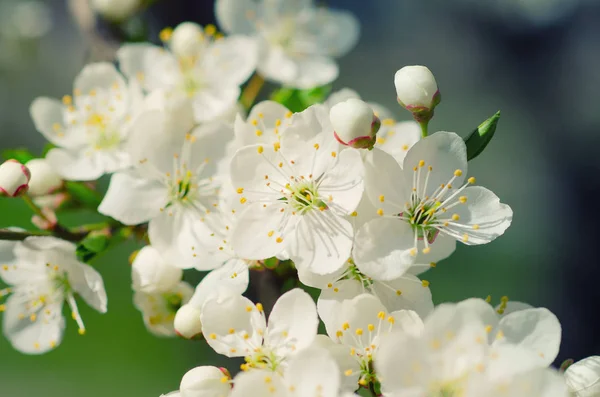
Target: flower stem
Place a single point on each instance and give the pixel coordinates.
(57, 230)
(251, 91)
(11, 235)
(424, 125)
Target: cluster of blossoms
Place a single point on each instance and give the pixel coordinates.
(348, 200)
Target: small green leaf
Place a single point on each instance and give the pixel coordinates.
(93, 244)
(299, 100)
(22, 155)
(481, 136)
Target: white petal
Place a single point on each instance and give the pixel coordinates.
(269, 113)
(49, 118)
(384, 182)
(345, 361)
(151, 273)
(213, 102)
(360, 313)
(441, 248)
(313, 371)
(583, 377)
(175, 232)
(314, 71)
(231, 60)
(229, 311)
(252, 237)
(88, 283)
(259, 383)
(320, 281)
(208, 150)
(482, 309)
(76, 166)
(157, 68)
(253, 167)
(391, 360)
(445, 152)
(32, 337)
(406, 292)
(397, 139)
(343, 184)
(102, 75)
(382, 248)
(483, 209)
(159, 309)
(131, 199)
(236, 16)
(276, 65)
(336, 33)
(322, 242)
(292, 323)
(205, 381)
(233, 275)
(330, 301)
(537, 330)
(408, 322)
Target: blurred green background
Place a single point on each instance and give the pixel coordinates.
(535, 60)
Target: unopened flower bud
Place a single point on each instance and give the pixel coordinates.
(417, 91)
(14, 178)
(44, 180)
(116, 10)
(186, 40)
(203, 381)
(151, 274)
(354, 123)
(187, 322)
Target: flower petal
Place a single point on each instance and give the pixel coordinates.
(259, 383)
(322, 242)
(88, 283)
(536, 330)
(335, 33)
(214, 101)
(343, 184)
(32, 332)
(132, 200)
(440, 249)
(330, 302)
(231, 60)
(252, 238)
(101, 75)
(382, 248)
(232, 312)
(583, 377)
(484, 216)
(49, 118)
(236, 16)
(397, 139)
(154, 67)
(444, 152)
(384, 182)
(151, 273)
(313, 371)
(233, 275)
(406, 292)
(293, 323)
(345, 361)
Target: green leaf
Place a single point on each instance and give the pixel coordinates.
(47, 148)
(93, 244)
(299, 100)
(478, 139)
(22, 155)
(83, 193)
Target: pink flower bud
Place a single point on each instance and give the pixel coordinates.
(354, 124)
(14, 178)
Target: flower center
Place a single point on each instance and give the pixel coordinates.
(304, 196)
(262, 359)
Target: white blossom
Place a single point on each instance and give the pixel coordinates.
(232, 277)
(422, 205)
(354, 123)
(236, 327)
(297, 40)
(173, 185)
(199, 66)
(151, 273)
(296, 193)
(43, 273)
(91, 127)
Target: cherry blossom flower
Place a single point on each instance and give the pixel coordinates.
(43, 273)
(297, 40)
(91, 127)
(196, 64)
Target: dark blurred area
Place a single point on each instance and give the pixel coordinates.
(538, 61)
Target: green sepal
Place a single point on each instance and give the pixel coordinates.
(84, 194)
(480, 137)
(566, 364)
(271, 263)
(22, 155)
(93, 244)
(298, 100)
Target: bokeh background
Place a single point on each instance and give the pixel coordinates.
(538, 61)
